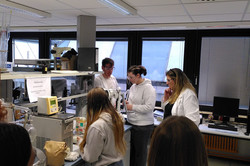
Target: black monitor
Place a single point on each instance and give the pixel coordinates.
(226, 107)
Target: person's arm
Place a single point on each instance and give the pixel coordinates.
(191, 108)
(94, 145)
(116, 84)
(164, 100)
(98, 82)
(163, 103)
(148, 103)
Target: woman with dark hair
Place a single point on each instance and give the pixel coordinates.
(103, 142)
(180, 97)
(16, 148)
(177, 141)
(140, 107)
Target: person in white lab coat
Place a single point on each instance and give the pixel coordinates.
(140, 107)
(103, 142)
(180, 97)
(106, 80)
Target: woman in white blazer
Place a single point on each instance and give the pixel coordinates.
(180, 98)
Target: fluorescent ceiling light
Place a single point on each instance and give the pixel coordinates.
(24, 9)
(120, 6)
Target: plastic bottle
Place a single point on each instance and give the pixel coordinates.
(44, 69)
(32, 132)
(58, 63)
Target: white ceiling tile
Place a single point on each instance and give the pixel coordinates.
(138, 3)
(216, 8)
(208, 1)
(248, 8)
(56, 22)
(27, 22)
(83, 4)
(222, 18)
(102, 21)
(150, 12)
(105, 13)
(134, 20)
(67, 14)
(174, 19)
(167, 10)
(43, 4)
(246, 17)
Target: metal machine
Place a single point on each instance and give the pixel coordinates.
(47, 105)
(57, 127)
(30, 65)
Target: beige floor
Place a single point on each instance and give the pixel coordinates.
(215, 161)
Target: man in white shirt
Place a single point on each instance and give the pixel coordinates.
(106, 80)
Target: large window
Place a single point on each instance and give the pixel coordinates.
(160, 55)
(118, 51)
(225, 69)
(25, 48)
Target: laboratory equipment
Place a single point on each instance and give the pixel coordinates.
(40, 159)
(47, 105)
(32, 64)
(58, 127)
(116, 97)
(68, 60)
(87, 59)
(57, 52)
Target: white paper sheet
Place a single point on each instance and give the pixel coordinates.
(38, 87)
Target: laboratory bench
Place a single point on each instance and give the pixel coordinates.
(221, 143)
(226, 143)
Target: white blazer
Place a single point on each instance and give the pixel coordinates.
(187, 104)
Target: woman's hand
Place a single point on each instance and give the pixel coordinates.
(129, 106)
(167, 94)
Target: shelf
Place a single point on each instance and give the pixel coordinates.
(61, 73)
(59, 99)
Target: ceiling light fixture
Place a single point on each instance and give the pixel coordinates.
(120, 6)
(24, 9)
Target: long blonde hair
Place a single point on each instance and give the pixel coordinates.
(181, 83)
(99, 102)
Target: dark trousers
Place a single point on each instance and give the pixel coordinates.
(140, 136)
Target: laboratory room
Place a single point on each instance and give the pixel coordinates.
(125, 83)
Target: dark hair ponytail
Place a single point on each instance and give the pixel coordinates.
(138, 69)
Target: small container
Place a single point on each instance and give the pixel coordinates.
(81, 123)
(44, 69)
(58, 63)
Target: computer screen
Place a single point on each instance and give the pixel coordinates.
(227, 107)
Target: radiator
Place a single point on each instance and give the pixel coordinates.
(221, 143)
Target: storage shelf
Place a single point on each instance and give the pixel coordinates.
(59, 99)
(61, 73)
